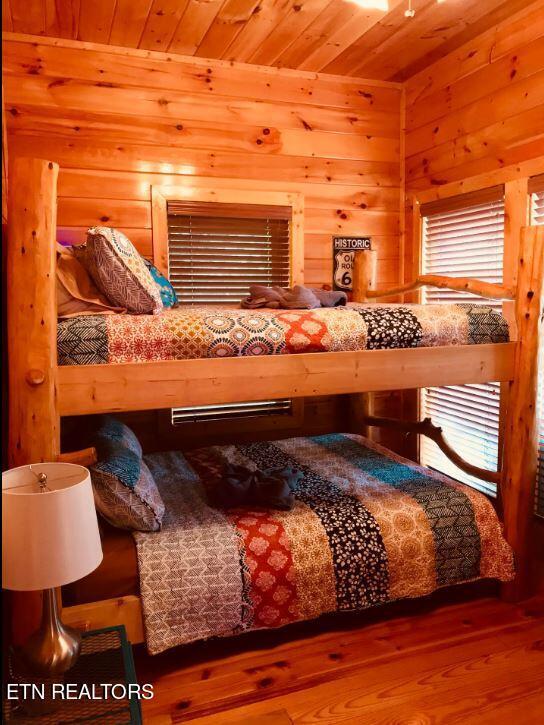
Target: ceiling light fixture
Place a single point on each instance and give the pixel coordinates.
(372, 4)
(409, 12)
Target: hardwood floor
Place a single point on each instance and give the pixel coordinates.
(416, 663)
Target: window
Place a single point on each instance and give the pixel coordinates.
(215, 252)
(464, 237)
(536, 189)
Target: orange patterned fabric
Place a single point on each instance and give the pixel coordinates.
(273, 591)
(211, 332)
(304, 332)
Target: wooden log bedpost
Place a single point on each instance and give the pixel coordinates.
(520, 459)
(34, 423)
(365, 264)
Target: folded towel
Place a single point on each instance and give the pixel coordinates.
(297, 298)
(270, 488)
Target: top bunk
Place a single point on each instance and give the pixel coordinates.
(202, 356)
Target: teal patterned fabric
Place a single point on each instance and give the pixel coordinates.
(168, 293)
(125, 491)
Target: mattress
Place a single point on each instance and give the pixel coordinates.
(367, 527)
(117, 574)
(209, 332)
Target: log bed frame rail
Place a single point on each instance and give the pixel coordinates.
(41, 392)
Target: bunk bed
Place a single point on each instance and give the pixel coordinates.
(42, 391)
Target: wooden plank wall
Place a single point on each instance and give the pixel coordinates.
(480, 108)
(119, 120)
(474, 119)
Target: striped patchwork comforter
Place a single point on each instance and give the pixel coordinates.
(203, 332)
(368, 527)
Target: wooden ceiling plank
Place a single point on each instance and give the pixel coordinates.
(494, 44)
(62, 18)
(161, 24)
(197, 18)
(228, 23)
(95, 20)
(256, 30)
(129, 21)
(28, 16)
(432, 26)
(289, 28)
(341, 38)
(504, 11)
(365, 45)
(314, 34)
(52, 26)
(7, 21)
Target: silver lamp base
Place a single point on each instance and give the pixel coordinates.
(54, 648)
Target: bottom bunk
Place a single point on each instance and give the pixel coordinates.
(321, 524)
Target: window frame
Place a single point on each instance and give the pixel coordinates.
(195, 189)
(516, 181)
(192, 191)
(459, 203)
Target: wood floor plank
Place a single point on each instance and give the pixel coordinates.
(457, 650)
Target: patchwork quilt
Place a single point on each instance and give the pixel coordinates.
(368, 527)
(205, 332)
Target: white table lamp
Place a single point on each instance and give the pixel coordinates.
(50, 537)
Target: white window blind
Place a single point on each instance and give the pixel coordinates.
(464, 239)
(537, 217)
(215, 252)
(537, 207)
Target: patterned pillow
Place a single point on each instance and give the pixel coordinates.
(125, 491)
(168, 293)
(119, 271)
(112, 429)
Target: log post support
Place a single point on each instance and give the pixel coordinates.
(520, 458)
(365, 264)
(34, 424)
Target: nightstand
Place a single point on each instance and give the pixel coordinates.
(106, 659)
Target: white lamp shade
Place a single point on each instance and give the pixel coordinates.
(49, 538)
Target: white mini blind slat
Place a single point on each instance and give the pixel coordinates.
(215, 252)
(537, 207)
(214, 258)
(537, 218)
(464, 242)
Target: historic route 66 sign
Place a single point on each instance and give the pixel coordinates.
(343, 250)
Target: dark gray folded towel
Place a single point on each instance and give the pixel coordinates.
(297, 298)
(270, 488)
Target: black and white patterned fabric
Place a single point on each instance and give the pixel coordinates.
(391, 327)
(358, 553)
(485, 325)
(82, 340)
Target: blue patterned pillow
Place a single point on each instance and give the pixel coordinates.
(114, 430)
(125, 491)
(168, 293)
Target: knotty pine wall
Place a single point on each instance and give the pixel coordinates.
(118, 121)
(480, 108)
(475, 119)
